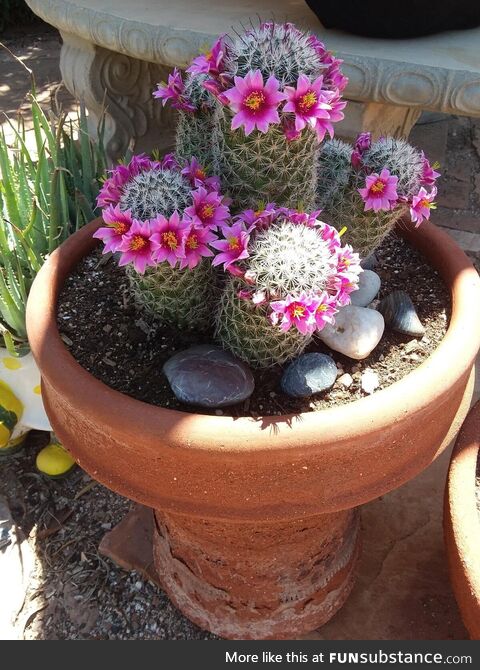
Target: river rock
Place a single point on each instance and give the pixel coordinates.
(208, 376)
(400, 315)
(369, 381)
(355, 333)
(309, 374)
(369, 262)
(368, 287)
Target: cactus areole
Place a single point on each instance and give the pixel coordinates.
(253, 232)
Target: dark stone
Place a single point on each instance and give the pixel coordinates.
(370, 262)
(400, 315)
(208, 376)
(309, 374)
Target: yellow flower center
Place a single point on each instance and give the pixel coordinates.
(307, 101)
(426, 203)
(254, 100)
(322, 308)
(138, 243)
(169, 239)
(258, 212)
(296, 310)
(233, 243)
(192, 241)
(119, 227)
(200, 173)
(207, 211)
(378, 186)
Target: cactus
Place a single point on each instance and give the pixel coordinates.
(268, 166)
(155, 192)
(339, 181)
(184, 298)
(194, 133)
(286, 259)
(179, 296)
(245, 329)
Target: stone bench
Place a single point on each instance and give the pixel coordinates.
(115, 51)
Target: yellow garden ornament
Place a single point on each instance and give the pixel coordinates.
(21, 410)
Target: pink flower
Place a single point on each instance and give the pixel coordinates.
(363, 142)
(380, 191)
(196, 239)
(421, 205)
(295, 311)
(330, 235)
(308, 102)
(233, 247)
(326, 310)
(216, 89)
(429, 175)
(255, 103)
(289, 130)
(302, 218)
(325, 125)
(346, 284)
(348, 261)
(197, 176)
(260, 218)
(169, 162)
(118, 225)
(136, 246)
(210, 62)
(174, 91)
(169, 239)
(207, 209)
(356, 159)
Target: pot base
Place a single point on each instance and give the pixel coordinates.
(243, 581)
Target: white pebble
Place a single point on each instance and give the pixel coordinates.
(345, 380)
(370, 381)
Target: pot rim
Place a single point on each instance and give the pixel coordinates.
(462, 522)
(418, 389)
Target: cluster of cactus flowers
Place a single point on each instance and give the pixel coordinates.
(265, 98)
(370, 186)
(200, 250)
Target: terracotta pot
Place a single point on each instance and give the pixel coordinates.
(256, 531)
(462, 523)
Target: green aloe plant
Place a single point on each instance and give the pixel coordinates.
(46, 192)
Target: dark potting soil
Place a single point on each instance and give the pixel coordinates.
(112, 339)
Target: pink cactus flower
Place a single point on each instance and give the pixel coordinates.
(326, 125)
(244, 294)
(255, 104)
(174, 91)
(216, 89)
(207, 209)
(289, 130)
(295, 311)
(302, 218)
(118, 225)
(422, 204)
(330, 235)
(168, 239)
(326, 310)
(347, 284)
(363, 142)
(429, 175)
(380, 191)
(169, 162)
(308, 102)
(348, 261)
(136, 246)
(196, 241)
(210, 62)
(234, 247)
(356, 159)
(261, 218)
(197, 176)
